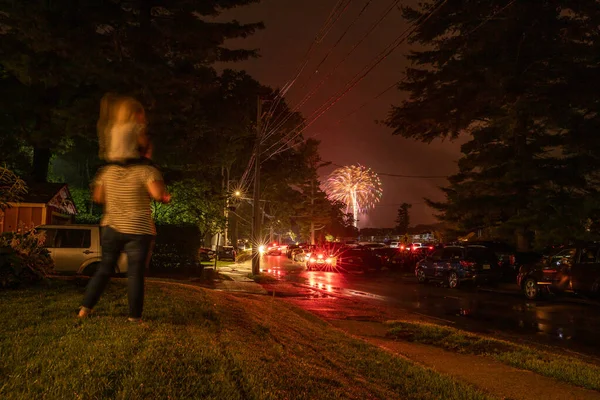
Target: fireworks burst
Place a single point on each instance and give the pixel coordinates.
(356, 186)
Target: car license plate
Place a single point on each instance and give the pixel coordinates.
(486, 266)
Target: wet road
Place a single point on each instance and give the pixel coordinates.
(570, 323)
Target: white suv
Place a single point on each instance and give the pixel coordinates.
(76, 248)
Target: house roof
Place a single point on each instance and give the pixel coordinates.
(41, 192)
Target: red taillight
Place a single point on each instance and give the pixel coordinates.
(512, 260)
(466, 264)
(320, 256)
(549, 271)
(430, 247)
(402, 247)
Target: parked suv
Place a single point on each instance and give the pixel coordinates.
(506, 256)
(76, 248)
(573, 269)
(227, 253)
(456, 264)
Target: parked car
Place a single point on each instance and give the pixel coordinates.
(454, 265)
(573, 269)
(227, 253)
(407, 258)
(321, 259)
(76, 248)
(507, 257)
(290, 249)
(205, 254)
(357, 259)
(370, 245)
(299, 255)
(386, 254)
(274, 250)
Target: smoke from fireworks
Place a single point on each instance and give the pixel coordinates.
(356, 186)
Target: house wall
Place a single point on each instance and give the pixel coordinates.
(22, 216)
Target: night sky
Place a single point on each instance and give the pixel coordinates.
(290, 29)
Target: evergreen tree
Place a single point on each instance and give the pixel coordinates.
(520, 78)
(403, 219)
(60, 56)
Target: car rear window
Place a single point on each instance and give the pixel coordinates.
(452, 253)
(480, 254)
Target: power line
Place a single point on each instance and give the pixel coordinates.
(487, 19)
(342, 36)
(363, 105)
(321, 34)
(316, 69)
(414, 176)
(356, 45)
(358, 77)
(420, 203)
(402, 175)
(333, 17)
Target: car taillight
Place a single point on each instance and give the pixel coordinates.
(430, 247)
(320, 256)
(329, 261)
(466, 264)
(512, 260)
(402, 247)
(311, 259)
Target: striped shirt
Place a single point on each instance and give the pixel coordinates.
(126, 198)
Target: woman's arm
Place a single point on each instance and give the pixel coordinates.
(158, 191)
(98, 194)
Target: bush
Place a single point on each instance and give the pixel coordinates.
(23, 259)
(243, 256)
(176, 248)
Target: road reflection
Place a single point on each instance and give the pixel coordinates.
(554, 320)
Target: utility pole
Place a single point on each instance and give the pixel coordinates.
(227, 209)
(312, 211)
(256, 236)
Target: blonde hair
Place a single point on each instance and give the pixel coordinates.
(121, 128)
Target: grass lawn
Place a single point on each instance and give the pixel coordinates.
(566, 369)
(196, 343)
(220, 263)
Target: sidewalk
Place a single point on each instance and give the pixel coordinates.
(237, 279)
(484, 373)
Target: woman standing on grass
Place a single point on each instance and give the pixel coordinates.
(126, 187)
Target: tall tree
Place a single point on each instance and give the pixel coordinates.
(403, 219)
(518, 78)
(64, 54)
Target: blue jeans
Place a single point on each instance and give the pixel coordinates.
(139, 250)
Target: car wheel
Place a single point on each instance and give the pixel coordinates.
(421, 277)
(452, 280)
(531, 289)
